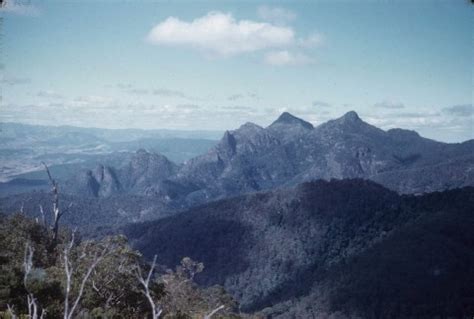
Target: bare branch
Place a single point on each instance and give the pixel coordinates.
(56, 210)
(96, 260)
(69, 270)
(145, 282)
(31, 299)
(213, 312)
(27, 263)
(11, 311)
(43, 218)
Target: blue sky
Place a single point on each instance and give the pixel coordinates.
(219, 64)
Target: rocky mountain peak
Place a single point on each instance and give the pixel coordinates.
(350, 122)
(350, 117)
(250, 126)
(288, 119)
(246, 131)
(227, 146)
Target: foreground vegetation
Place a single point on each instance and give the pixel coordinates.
(42, 276)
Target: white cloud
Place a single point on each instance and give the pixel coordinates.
(320, 104)
(389, 105)
(275, 14)
(240, 96)
(90, 102)
(14, 80)
(466, 110)
(170, 93)
(19, 8)
(236, 96)
(222, 34)
(164, 92)
(284, 57)
(49, 94)
(313, 40)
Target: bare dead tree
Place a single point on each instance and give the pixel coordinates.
(57, 212)
(11, 311)
(213, 312)
(145, 282)
(43, 219)
(69, 270)
(34, 311)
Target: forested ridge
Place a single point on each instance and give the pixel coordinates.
(350, 248)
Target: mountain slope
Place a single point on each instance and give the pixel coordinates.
(309, 249)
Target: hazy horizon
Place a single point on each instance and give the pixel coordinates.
(216, 133)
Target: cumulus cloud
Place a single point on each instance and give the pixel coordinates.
(460, 110)
(220, 33)
(284, 57)
(275, 14)
(389, 105)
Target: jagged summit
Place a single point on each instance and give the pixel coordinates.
(350, 123)
(250, 125)
(227, 144)
(289, 119)
(350, 117)
(350, 120)
(248, 128)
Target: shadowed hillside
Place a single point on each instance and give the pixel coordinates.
(329, 247)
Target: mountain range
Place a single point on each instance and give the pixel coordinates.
(288, 152)
(342, 220)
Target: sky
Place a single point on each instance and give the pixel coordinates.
(216, 65)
